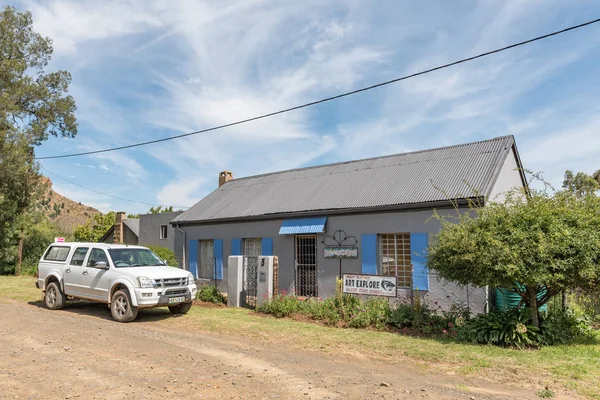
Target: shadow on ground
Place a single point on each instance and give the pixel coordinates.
(102, 311)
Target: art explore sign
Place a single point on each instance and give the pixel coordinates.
(341, 252)
(372, 285)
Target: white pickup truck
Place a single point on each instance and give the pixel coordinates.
(126, 278)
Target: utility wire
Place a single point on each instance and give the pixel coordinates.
(327, 99)
(106, 194)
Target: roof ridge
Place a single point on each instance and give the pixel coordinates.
(367, 159)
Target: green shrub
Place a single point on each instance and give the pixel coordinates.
(350, 310)
(420, 317)
(375, 312)
(402, 316)
(561, 326)
(211, 294)
(330, 312)
(280, 306)
(502, 328)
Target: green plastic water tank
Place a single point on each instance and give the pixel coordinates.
(507, 299)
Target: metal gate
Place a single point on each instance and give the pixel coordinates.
(250, 278)
(306, 265)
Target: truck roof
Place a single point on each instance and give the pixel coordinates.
(98, 245)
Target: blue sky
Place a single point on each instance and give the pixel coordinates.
(148, 69)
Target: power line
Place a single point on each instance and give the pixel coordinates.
(102, 193)
(327, 99)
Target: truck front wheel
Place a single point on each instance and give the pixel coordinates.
(121, 308)
(181, 308)
(54, 298)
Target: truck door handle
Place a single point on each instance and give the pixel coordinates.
(68, 270)
(85, 272)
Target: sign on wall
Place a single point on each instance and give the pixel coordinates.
(372, 285)
(341, 252)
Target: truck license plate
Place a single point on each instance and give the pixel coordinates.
(176, 300)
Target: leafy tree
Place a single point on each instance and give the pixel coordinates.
(33, 106)
(92, 231)
(159, 209)
(544, 241)
(582, 184)
(154, 210)
(596, 176)
(40, 234)
(165, 254)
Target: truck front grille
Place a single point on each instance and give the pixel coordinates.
(175, 292)
(171, 282)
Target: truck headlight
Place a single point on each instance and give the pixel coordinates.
(190, 279)
(145, 282)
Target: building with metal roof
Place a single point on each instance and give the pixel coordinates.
(380, 206)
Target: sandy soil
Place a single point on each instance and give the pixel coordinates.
(80, 353)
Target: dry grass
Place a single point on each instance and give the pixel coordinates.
(19, 288)
(574, 367)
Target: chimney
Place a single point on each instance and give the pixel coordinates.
(119, 232)
(224, 177)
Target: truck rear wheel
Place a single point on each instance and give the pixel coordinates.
(121, 308)
(181, 308)
(54, 298)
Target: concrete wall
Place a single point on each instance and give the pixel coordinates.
(440, 294)
(150, 229)
(508, 179)
(129, 237)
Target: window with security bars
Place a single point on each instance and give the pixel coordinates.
(207, 259)
(395, 257)
(253, 247)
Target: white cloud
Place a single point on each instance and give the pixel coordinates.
(180, 193)
(70, 23)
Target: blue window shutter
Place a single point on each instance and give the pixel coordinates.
(218, 252)
(418, 258)
(194, 257)
(267, 246)
(236, 247)
(369, 254)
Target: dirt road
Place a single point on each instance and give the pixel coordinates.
(80, 353)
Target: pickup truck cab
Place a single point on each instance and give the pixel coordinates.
(126, 278)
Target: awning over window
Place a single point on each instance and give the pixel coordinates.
(304, 225)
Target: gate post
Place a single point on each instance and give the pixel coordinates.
(264, 286)
(235, 281)
(275, 276)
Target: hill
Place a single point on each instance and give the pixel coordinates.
(66, 213)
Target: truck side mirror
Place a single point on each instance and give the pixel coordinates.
(101, 265)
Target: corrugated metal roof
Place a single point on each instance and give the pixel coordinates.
(453, 172)
(303, 225)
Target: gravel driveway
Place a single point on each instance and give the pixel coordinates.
(80, 353)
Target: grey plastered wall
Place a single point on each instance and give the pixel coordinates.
(509, 178)
(440, 295)
(150, 229)
(128, 236)
(110, 238)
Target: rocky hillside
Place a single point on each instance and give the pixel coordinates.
(66, 213)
